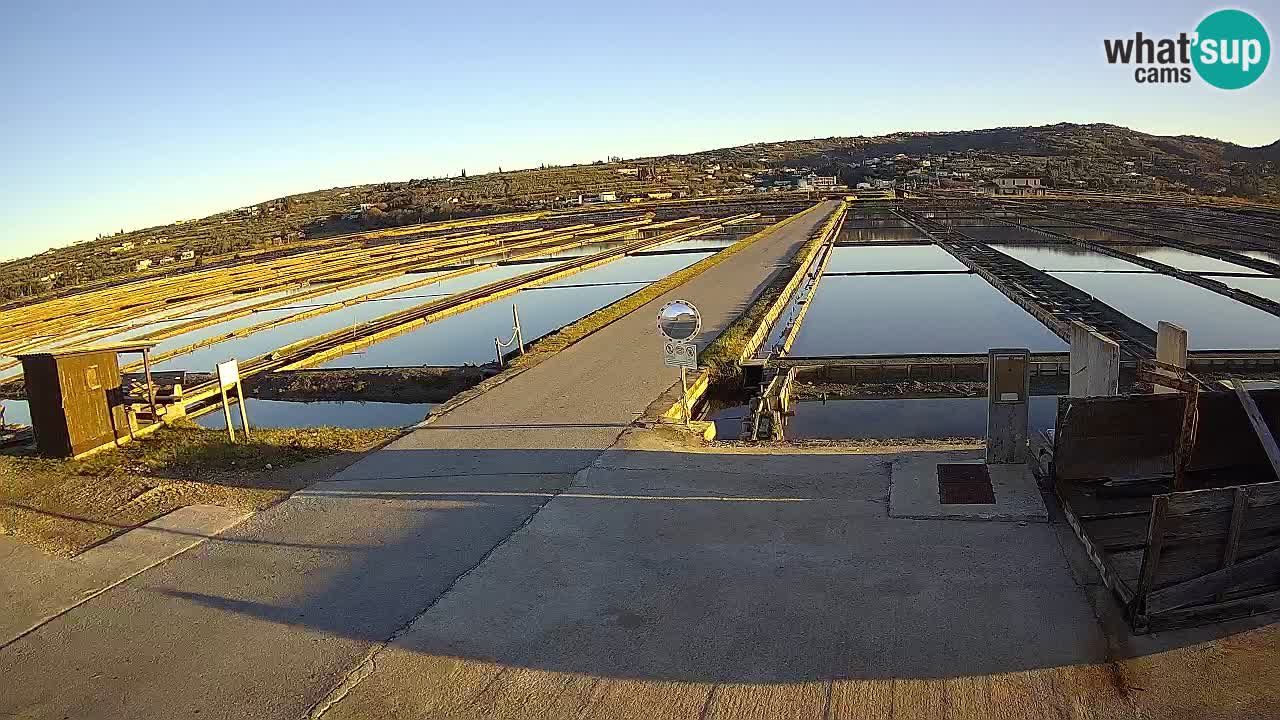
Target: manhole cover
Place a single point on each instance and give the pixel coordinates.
(965, 484)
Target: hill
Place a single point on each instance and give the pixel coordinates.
(1095, 156)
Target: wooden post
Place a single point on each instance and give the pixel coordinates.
(1171, 349)
(151, 388)
(1239, 506)
(515, 319)
(1155, 545)
(684, 395)
(1260, 428)
(226, 413)
(1186, 437)
(244, 412)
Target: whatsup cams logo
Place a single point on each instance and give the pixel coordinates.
(1229, 49)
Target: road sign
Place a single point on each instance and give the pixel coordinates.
(680, 354)
(679, 320)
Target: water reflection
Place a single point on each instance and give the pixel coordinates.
(355, 415)
(467, 338)
(891, 258)
(16, 412)
(1065, 258)
(921, 418)
(1212, 321)
(904, 314)
(348, 317)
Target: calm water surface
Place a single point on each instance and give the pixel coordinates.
(891, 258)
(1212, 321)
(355, 415)
(888, 314)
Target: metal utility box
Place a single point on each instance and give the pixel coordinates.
(1008, 388)
(77, 404)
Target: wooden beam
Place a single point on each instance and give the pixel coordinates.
(1239, 506)
(1205, 587)
(1259, 424)
(1155, 544)
(1186, 437)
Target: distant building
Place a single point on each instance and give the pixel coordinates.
(824, 182)
(864, 186)
(169, 260)
(1018, 186)
(604, 197)
(142, 264)
(187, 255)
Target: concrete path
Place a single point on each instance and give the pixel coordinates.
(266, 620)
(37, 587)
(674, 585)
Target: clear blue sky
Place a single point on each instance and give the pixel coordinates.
(124, 115)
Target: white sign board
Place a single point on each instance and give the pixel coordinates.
(680, 354)
(228, 373)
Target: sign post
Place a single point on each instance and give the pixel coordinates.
(228, 378)
(679, 321)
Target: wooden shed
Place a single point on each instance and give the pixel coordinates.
(1175, 554)
(76, 397)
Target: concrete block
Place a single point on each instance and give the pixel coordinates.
(913, 491)
(1095, 363)
(1171, 348)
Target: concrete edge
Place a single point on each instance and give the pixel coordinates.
(121, 554)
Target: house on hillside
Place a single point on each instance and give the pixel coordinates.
(1018, 185)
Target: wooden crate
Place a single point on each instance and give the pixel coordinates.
(1173, 559)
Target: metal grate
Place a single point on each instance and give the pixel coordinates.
(965, 484)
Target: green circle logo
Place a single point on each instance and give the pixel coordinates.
(1232, 49)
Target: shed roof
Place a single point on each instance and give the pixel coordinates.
(91, 349)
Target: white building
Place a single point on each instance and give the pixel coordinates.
(1019, 186)
(824, 182)
(187, 255)
(142, 264)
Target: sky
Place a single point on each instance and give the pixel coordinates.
(124, 115)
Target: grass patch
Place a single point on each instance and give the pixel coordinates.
(66, 506)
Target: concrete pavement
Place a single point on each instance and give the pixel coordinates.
(683, 585)
(265, 620)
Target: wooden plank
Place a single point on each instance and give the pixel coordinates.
(1137, 435)
(1125, 532)
(1259, 424)
(1260, 495)
(1155, 544)
(1205, 586)
(1238, 512)
(1186, 438)
(1214, 612)
(1110, 577)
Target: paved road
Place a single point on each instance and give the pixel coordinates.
(265, 620)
